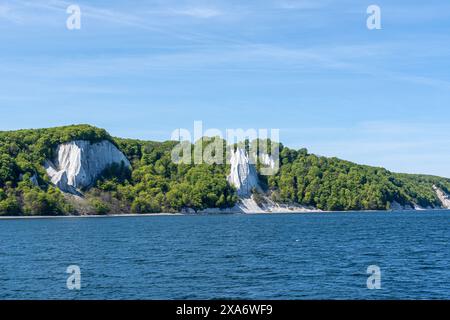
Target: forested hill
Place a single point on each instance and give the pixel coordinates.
(334, 184)
(156, 184)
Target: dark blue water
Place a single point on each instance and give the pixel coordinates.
(304, 256)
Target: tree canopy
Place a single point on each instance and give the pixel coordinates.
(156, 184)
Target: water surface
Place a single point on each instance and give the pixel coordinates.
(283, 256)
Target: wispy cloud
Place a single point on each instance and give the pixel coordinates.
(196, 12)
(300, 4)
(229, 57)
(154, 20)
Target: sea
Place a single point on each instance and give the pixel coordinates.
(353, 255)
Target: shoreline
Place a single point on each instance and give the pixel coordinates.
(125, 215)
(178, 214)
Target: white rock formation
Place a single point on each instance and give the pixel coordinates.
(244, 177)
(267, 160)
(443, 197)
(79, 163)
(249, 205)
(243, 174)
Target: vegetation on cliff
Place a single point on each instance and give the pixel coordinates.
(22, 154)
(334, 184)
(156, 184)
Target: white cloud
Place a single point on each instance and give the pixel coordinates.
(203, 13)
(26, 12)
(300, 4)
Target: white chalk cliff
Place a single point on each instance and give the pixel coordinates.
(267, 160)
(243, 175)
(443, 197)
(79, 163)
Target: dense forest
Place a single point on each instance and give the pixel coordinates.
(156, 184)
(333, 184)
(22, 154)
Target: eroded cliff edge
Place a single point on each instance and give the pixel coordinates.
(79, 163)
(252, 196)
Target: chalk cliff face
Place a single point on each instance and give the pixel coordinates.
(443, 197)
(243, 174)
(79, 163)
(267, 160)
(244, 177)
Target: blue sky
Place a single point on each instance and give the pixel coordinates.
(311, 68)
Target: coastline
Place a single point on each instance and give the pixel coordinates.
(125, 215)
(178, 214)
